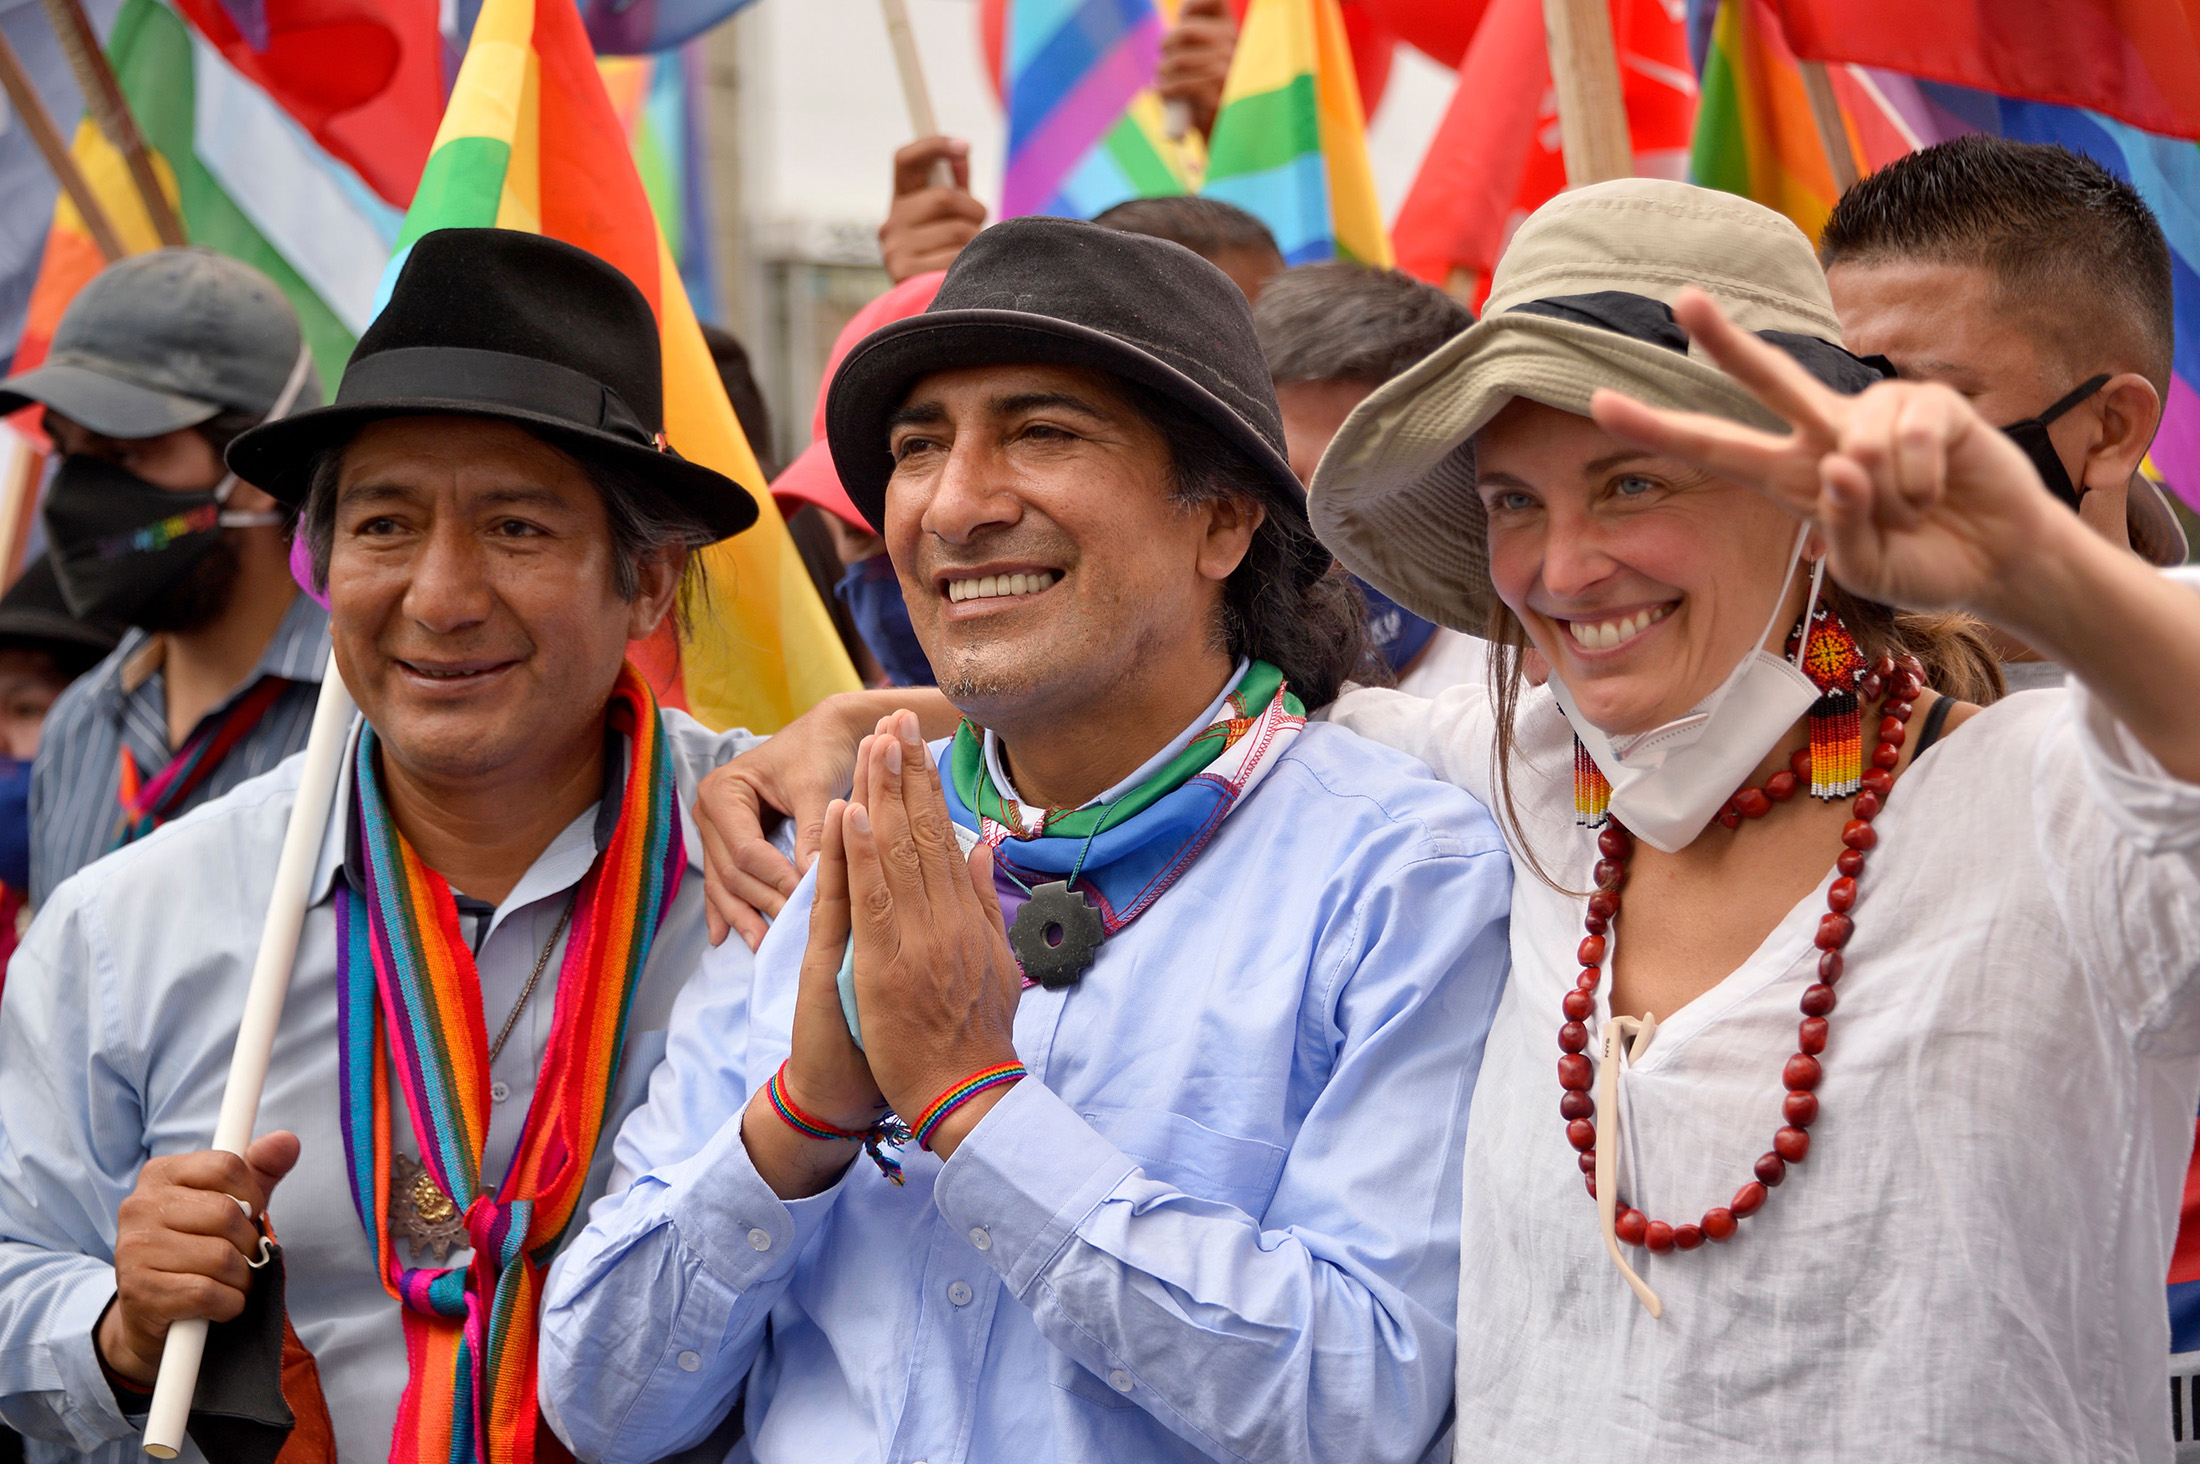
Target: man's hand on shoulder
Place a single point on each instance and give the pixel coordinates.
(184, 1247)
(929, 222)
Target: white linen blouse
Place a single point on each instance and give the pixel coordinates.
(1969, 1264)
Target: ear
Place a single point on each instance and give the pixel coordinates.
(1231, 523)
(2130, 410)
(660, 585)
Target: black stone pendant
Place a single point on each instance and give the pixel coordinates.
(1056, 935)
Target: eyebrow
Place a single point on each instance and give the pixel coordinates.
(394, 492)
(932, 413)
(1613, 459)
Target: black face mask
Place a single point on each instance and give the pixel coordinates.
(2031, 435)
(120, 543)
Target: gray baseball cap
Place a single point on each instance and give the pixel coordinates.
(166, 340)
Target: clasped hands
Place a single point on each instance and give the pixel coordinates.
(936, 983)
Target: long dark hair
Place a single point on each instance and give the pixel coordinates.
(1279, 605)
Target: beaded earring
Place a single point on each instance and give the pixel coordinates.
(1836, 666)
(1592, 791)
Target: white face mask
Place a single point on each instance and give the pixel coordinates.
(1669, 782)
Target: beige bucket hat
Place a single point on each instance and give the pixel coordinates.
(1581, 299)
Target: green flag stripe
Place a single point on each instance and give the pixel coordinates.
(459, 189)
(1719, 153)
(1134, 153)
(1257, 133)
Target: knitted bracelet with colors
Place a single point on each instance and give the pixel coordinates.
(887, 1131)
(928, 1122)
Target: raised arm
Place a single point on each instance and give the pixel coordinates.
(1920, 503)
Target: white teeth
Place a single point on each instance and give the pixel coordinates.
(1604, 634)
(996, 586)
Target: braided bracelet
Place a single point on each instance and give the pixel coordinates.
(888, 1131)
(928, 1122)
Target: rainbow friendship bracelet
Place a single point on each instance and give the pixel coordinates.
(929, 1121)
(887, 1131)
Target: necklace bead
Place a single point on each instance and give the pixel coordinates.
(1900, 681)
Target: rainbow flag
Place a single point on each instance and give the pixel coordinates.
(245, 177)
(1073, 69)
(659, 102)
(1289, 144)
(530, 141)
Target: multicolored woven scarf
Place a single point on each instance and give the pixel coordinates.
(1142, 842)
(408, 990)
(147, 804)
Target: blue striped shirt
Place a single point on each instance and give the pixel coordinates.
(76, 784)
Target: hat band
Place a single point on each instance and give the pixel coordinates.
(489, 379)
(1651, 321)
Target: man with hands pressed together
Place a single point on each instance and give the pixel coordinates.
(1163, 1084)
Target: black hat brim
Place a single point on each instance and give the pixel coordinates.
(277, 457)
(876, 376)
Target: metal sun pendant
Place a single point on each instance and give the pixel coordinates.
(1056, 935)
(421, 1213)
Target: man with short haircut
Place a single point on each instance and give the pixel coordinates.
(498, 920)
(1181, 1053)
(157, 365)
(1332, 333)
(2036, 283)
(1223, 234)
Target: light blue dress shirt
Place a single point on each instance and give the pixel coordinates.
(1220, 1221)
(122, 1007)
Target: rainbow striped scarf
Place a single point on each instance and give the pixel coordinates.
(407, 989)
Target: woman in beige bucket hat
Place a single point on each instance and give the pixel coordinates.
(1956, 994)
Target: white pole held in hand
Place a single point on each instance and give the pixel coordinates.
(913, 89)
(263, 1011)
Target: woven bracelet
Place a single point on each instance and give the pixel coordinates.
(928, 1122)
(887, 1132)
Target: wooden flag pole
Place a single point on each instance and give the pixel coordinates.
(103, 96)
(913, 89)
(263, 1012)
(25, 99)
(1592, 113)
(1833, 130)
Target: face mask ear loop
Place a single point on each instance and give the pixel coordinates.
(1810, 606)
(294, 384)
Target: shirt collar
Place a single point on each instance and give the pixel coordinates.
(1032, 814)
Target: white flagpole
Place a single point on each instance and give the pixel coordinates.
(913, 89)
(263, 1011)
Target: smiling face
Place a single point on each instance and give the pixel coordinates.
(1046, 563)
(1643, 580)
(474, 601)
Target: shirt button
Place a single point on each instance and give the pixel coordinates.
(500, 1090)
(1120, 1381)
(690, 1361)
(760, 1240)
(959, 1293)
(980, 1238)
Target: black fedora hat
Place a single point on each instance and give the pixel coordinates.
(510, 325)
(1061, 292)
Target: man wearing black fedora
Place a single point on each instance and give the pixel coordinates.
(1098, 1094)
(501, 915)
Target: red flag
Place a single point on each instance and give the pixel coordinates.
(1497, 155)
(2136, 60)
(364, 77)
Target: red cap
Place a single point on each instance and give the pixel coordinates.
(811, 478)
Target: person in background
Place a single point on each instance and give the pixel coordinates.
(156, 366)
(1223, 234)
(2037, 284)
(42, 649)
(1214, 1218)
(865, 587)
(1332, 333)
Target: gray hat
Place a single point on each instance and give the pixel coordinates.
(1574, 305)
(166, 340)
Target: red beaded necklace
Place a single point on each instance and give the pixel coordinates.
(1901, 680)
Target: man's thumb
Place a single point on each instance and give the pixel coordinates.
(272, 1156)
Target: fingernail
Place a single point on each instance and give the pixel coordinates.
(859, 818)
(907, 725)
(893, 758)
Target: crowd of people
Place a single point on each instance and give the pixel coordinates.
(1362, 817)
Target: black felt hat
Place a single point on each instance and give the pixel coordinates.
(1060, 292)
(504, 324)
